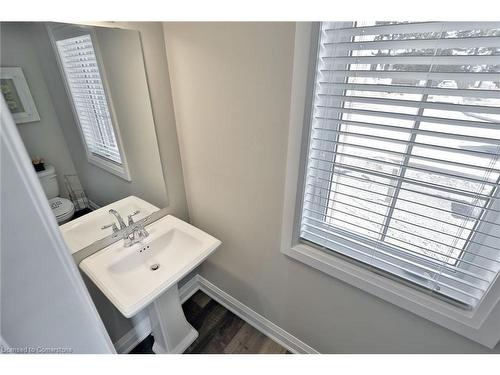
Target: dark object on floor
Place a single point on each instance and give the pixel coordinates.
(220, 331)
(80, 213)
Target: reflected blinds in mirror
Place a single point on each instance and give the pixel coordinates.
(84, 80)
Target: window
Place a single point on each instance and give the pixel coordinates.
(82, 72)
(403, 160)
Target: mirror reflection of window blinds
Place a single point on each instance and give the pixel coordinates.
(87, 93)
(403, 163)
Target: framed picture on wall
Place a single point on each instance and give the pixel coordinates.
(17, 95)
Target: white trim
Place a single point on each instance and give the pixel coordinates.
(481, 324)
(188, 289)
(109, 166)
(133, 337)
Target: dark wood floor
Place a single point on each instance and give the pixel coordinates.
(220, 331)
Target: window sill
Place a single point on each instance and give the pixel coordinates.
(471, 324)
(118, 170)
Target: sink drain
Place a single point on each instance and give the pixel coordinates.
(154, 267)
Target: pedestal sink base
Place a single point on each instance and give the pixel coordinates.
(171, 331)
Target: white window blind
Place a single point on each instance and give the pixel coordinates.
(82, 74)
(403, 161)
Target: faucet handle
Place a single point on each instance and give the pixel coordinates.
(144, 232)
(130, 220)
(112, 225)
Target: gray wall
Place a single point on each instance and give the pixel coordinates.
(43, 138)
(157, 73)
(231, 88)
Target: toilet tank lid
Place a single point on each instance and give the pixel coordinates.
(49, 171)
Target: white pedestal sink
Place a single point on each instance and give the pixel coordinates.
(146, 275)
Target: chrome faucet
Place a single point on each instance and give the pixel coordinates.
(119, 218)
(130, 220)
(131, 233)
(135, 232)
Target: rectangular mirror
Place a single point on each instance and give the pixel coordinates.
(94, 142)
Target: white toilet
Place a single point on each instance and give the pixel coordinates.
(62, 208)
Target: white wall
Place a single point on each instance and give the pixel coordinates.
(43, 138)
(231, 90)
(44, 303)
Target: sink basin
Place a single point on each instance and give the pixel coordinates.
(132, 277)
(85, 230)
(146, 275)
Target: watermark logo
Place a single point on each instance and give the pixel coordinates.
(34, 350)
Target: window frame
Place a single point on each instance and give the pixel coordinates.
(479, 324)
(62, 31)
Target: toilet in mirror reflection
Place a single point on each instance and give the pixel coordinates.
(62, 208)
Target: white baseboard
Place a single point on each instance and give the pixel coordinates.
(268, 328)
(132, 338)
